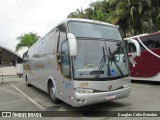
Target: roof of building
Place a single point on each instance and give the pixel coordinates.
(7, 54)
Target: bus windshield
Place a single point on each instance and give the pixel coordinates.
(82, 29)
(98, 57)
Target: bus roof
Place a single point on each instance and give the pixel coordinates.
(88, 21)
(78, 20)
(145, 35)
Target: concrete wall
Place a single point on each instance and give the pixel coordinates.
(8, 70)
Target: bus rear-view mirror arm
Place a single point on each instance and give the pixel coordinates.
(72, 44)
(138, 49)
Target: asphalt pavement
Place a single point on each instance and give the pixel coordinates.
(16, 96)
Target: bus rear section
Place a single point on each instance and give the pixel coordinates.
(148, 64)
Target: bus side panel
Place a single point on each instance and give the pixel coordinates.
(49, 72)
(29, 71)
(148, 65)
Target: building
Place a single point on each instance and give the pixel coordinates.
(8, 61)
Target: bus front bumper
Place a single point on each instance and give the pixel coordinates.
(92, 98)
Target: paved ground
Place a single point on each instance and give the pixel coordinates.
(16, 96)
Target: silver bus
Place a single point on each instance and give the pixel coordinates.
(80, 62)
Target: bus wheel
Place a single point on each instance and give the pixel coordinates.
(52, 93)
(27, 83)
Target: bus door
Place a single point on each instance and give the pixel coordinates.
(63, 81)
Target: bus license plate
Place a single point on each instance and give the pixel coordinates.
(110, 97)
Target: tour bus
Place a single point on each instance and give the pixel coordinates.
(80, 62)
(147, 66)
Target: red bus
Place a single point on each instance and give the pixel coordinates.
(147, 66)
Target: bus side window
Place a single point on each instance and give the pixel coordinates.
(151, 42)
(31, 52)
(62, 34)
(157, 44)
(148, 42)
(65, 62)
(131, 48)
(49, 43)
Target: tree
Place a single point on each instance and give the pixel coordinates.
(133, 16)
(128, 15)
(158, 18)
(76, 14)
(96, 11)
(153, 11)
(27, 40)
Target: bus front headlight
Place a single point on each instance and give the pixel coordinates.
(83, 90)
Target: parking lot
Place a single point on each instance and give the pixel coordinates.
(16, 96)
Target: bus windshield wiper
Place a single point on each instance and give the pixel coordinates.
(110, 59)
(114, 61)
(103, 63)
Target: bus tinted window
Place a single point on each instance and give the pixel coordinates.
(41, 48)
(65, 62)
(49, 43)
(31, 52)
(131, 48)
(157, 44)
(94, 30)
(62, 37)
(151, 42)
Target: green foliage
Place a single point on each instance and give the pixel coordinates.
(158, 18)
(26, 40)
(133, 16)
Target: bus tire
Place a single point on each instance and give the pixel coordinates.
(27, 83)
(52, 93)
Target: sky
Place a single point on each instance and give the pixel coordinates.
(40, 16)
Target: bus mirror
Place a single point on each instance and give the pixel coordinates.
(72, 44)
(138, 49)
